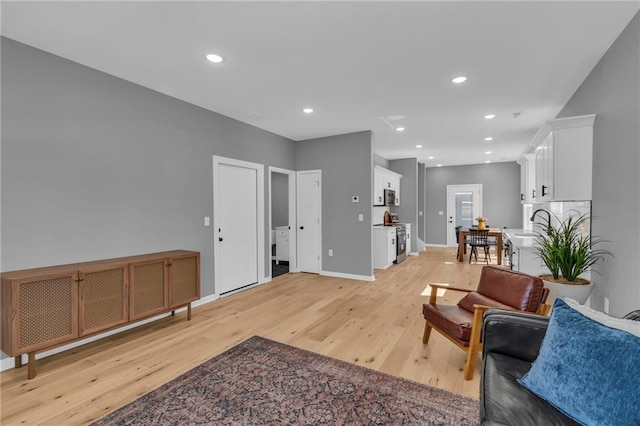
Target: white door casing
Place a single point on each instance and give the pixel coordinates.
(238, 219)
(292, 215)
(464, 204)
(309, 229)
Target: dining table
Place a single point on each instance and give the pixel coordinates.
(493, 232)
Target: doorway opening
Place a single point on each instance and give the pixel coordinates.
(282, 220)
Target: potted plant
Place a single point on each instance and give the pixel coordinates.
(568, 252)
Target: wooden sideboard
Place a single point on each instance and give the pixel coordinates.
(51, 306)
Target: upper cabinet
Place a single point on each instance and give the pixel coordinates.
(527, 178)
(563, 160)
(385, 179)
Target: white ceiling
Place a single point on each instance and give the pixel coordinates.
(361, 65)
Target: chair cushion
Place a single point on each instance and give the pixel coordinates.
(455, 321)
(504, 401)
(475, 298)
(520, 291)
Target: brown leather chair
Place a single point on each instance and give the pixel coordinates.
(498, 288)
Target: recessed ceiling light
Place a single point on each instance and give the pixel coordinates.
(487, 152)
(489, 138)
(307, 110)
(431, 157)
(212, 57)
(459, 79)
(489, 116)
(438, 165)
(418, 146)
(488, 161)
(399, 129)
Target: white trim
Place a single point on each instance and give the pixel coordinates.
(293, 252)
(259, 168)
(560, 123)
(8, 363)
(414, 253)
(348, 276)
(451, 189)
(435, 245)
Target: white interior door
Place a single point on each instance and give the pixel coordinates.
(309, 206)
(237, 219)
(464, 204)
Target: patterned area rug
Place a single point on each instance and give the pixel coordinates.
(264, 382)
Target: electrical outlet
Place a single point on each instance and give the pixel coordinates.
(330, 252)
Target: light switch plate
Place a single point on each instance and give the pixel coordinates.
(440, 213)
(330, 252)
(360, 217)
(207, 221)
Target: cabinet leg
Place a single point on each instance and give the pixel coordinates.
(31, 372)
(18, 361)
(189, 312)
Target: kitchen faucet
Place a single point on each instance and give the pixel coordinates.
(533, 216)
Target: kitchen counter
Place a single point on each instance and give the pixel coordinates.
(523, 257)
(520, 238)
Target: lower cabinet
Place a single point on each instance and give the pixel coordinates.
(384, 246)
(47, 307)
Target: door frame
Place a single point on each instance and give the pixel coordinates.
(451, 212)
(319, 172)
(293, 230)
(259, 168)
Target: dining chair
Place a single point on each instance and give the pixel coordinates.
(466, 241)
(479, 238)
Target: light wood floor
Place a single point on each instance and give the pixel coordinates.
(377, 325)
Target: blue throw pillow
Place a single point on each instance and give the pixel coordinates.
(587, 370)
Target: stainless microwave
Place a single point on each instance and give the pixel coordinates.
(389, 197)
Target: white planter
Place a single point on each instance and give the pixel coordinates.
(579, 293)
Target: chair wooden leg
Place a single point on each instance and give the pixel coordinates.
(470, 364)
(427, 332)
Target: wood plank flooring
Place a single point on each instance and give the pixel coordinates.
(374, 324)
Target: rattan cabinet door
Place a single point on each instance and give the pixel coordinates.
(148, 288)
(103, 298)
(46, 311)
(184, 280)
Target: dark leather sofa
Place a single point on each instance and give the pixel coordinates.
(511, 343)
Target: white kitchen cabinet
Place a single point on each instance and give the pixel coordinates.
(385, 179)
(384, 246)
(564, 159)
(527, 178)
(282, 243)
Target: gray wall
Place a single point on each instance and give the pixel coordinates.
(279, 199)
(379, 161)
(500, 195)
(422, 201)
(345, 161)
(612, 91)
(408, 209)
(97, 167)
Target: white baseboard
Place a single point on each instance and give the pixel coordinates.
(8, 363)
(414, 253)
(348, 276)
(437, 245)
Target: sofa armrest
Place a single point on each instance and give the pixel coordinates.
(516, 334)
